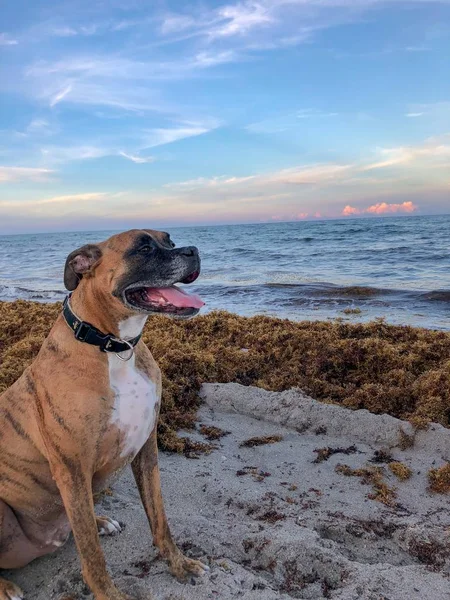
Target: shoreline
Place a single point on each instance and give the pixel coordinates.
(301, 301)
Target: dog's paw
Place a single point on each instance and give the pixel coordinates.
(10, 591)
(107, 526)
(183, 567)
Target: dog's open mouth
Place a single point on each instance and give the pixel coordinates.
(166, 300)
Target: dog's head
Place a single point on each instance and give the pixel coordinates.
(138, 269)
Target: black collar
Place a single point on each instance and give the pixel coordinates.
(87, 333)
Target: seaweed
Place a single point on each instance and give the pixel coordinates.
(439, 479)
(325, 453)
(373, 476)
(399, 370)
(400, 470)
(261, 441)
(213, 433)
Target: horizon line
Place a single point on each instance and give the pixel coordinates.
(269, 222)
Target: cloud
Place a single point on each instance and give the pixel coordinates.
(430, 150)
(350, 210)
(60, 95)
(5, 40)
(62, 154)
(433, 110)
(117, 81)
(380, 208)
(138, 159)
(14, 174)
(37, 125)
(162, 136)
(289, 121)
(311, 174)
(209, 182)
(204, 60)
(417, 49)
(65, 199)
(241, 18)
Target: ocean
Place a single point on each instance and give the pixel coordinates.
(357, 270)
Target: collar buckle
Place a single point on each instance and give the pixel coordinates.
(81, 330)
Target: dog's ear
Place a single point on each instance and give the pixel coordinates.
(78, 262)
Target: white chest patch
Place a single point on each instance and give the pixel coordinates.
(135, 402)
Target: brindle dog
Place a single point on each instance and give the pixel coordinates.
(78, 416)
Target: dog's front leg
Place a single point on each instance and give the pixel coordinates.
(76, 491)
(146, 472)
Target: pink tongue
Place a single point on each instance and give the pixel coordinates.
(176, 297)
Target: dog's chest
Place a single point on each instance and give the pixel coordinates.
(135, 404)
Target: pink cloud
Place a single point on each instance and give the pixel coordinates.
(380, 208)
(350, 210)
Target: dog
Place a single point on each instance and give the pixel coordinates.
(88, 405)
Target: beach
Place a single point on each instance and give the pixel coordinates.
(315, 469)
(275, 520)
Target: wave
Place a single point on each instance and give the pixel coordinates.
(436, 296)
(11, 293)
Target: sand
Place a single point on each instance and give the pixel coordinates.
(270, 521)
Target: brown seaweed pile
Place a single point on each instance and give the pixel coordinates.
(402, 371)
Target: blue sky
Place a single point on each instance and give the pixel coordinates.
(121, 113)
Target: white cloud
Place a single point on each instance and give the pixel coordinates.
(239, 19)
(64, 31)
(13, 174)
(176, 23)
(60, 95)
(417, 49)
(66, 199)
(140, 160)
(435, 110)
(210, 59)
(5, 40)
(161, 136)
(289, 121)
(61, 154)
(209, 182)
(430, 150)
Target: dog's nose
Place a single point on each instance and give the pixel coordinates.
(189, 251)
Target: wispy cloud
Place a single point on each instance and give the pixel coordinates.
(162, 136)
(117, 82)
(140, 160)
(430, 150)
(290, 121)
(62, 154)
(15, 174)
(60, 95)
(63, 200)
(6, 40)
(417, 49)
(435, 110)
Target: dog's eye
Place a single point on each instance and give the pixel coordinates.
(146, 249)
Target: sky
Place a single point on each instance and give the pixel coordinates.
(133, 113)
